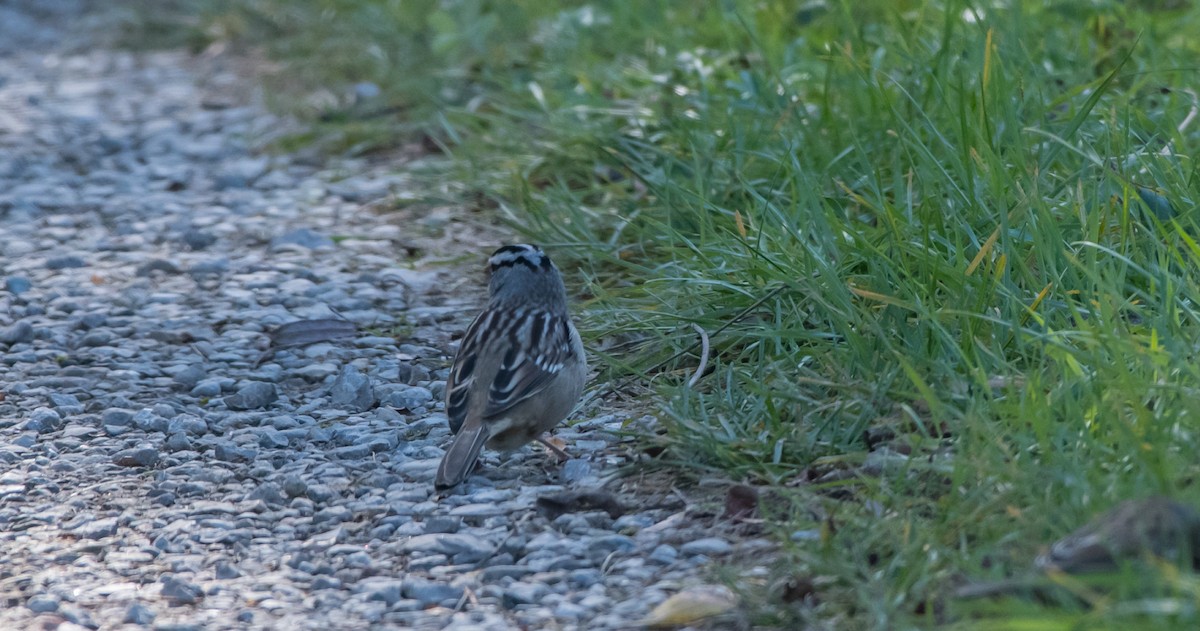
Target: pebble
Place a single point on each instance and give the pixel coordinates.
(17, 285)
(352, 391)
(18, 333)
(403, 397)
(138, 613)
(65, 262)
(180, 591)
(42, 603)
(709, 546)
(463, 548)
(302, 237)
(43, 420)
(430, 593)
(253, 395)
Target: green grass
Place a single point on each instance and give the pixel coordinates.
(935, 210)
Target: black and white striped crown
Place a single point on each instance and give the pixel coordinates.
(525, 254)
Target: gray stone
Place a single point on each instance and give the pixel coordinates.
(240, 173)
(608, 544)
(17, 333)
(43, 420)
(96, 338)
(180, 591)
(187, 424)
(358, 189)
(431, 593)
(584, 578)
(230, 452)
(271, 438)
(226, 571)
(388, 590)
(404, 397)
(524, 594)
(251, 396)
(178, 441)
(442, 523)
(89, 321)
(147, 421)
(496, 572)
(575, 470)
(42, 603)
(116, 416)
(353, 452)
(303, 237)
(65, 403)
(268, 492)
(197, 240)
(663, 555)
(65, 262)
(190, 376)
(352, 391)
(463, 548)
(210, 268)
(207, 388)
(158, 265)
(358, 559)
(326, 582)
(137, 613)
(294, 486)
(709, 546)
(17, 285)
(97, 529)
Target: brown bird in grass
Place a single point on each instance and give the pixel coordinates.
(1132, 531)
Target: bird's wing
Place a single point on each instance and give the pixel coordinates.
(527, 369)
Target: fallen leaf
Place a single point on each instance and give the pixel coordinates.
(557, 442)
(691, 605)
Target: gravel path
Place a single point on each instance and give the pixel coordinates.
(159, 470)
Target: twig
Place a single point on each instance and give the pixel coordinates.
(703, 355)
(1187, 120)
(1192, 113)
(737, 318)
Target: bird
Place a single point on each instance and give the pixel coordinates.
(1132, 531)
(1155, 526)
(521, 367)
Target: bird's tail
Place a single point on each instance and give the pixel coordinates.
(461, 456)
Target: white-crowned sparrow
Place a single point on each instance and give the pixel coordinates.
(520, 368)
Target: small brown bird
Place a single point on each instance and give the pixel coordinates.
(521, 367)
(1133, 530)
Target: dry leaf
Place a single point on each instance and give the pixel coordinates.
(741, 502)
(691, 605)
(557, 442)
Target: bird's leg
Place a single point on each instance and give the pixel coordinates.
(558, 452)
